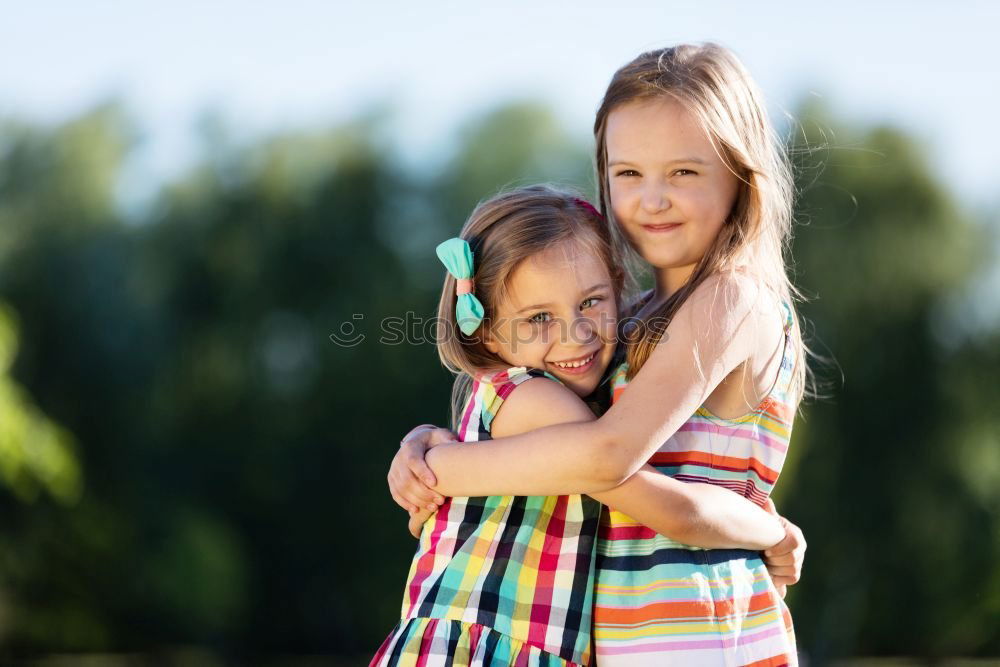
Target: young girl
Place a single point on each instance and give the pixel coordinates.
(528, 319)
(693, 180)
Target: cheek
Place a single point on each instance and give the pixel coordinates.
(710, 209)
(529, 339)
(619, 197)
(723, 204)
(607, 323)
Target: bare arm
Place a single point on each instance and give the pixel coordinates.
(701, 515)
(705, 342)
(696, 514)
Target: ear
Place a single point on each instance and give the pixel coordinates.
(489, 340)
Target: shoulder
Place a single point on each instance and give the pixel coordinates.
(534, 400)
(728, 303)
(726, 320)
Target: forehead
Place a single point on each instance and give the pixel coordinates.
(559, 273)
(660, 127)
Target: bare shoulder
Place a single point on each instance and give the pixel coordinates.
(731, 301)
(729, 318)
(536, 403)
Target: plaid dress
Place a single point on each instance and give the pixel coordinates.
(499, 580)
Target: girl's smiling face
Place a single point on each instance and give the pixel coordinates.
(559, 315)
(670, 191)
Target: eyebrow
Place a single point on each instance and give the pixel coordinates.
(546, 305)
(615, 163)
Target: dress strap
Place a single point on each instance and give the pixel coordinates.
(789, 317)
(497, 387)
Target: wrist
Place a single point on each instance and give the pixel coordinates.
(415, 430)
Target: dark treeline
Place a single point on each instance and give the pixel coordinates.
(189, 458)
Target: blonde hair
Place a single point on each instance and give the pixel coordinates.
(711, 84)
(502, 232)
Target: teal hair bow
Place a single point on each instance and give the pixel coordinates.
(456, 255)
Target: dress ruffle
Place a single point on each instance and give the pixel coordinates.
(434, 642)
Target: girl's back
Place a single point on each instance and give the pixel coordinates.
(499, 579)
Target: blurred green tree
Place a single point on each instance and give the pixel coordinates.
(901, 544)
(235, 452)
(35, 453)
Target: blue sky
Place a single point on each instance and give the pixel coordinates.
(928, 67)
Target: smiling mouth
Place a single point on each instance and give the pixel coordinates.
(575, 363)
(667, 226)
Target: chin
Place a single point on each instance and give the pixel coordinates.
(661, 261)
(580, 389)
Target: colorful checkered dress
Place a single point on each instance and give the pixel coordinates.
(659, 602)
(499, 580)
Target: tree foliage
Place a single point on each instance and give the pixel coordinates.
(188, 457)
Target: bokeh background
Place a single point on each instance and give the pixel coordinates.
(197, 198)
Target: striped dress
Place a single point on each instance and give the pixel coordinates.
(660, 602)
(499, 580)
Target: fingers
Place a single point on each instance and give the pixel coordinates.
(408, 478)
(788, 572)
(783, 559)
(416, 522)
(782, 589)
(414, 457)
(784, 565)
(410, 493)
(440, 436)
(412, 450)
(415, 445)
(793, 542)
(421, 476)
(417, 429)
(428, 435)
(415, 525)
(794, 535)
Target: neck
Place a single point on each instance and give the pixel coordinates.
(668, 281)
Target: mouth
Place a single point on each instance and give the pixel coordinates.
(664, 227)
(577, 366)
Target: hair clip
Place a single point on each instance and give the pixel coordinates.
(456, 255)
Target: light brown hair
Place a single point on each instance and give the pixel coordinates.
(711, 84)
(502, 232)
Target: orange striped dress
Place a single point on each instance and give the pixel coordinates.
(660, 602)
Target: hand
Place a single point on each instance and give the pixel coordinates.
(784, 560)
(409, 477)
(417, 520)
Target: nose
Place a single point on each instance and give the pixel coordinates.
(582, 330)
(654, 197)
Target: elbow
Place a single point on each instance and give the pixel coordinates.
(691, 523)
(612, 465)
(692, 520)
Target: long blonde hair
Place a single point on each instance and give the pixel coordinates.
(502, 232)
(711, 83)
